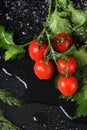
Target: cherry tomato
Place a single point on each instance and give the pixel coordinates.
(67, 85)
(37, 52)
(62, 42)
(66, 65)
(44, 69)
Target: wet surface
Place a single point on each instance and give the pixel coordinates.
(43, 119)
(18, 77)
(49, 117)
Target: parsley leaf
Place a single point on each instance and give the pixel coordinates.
(6, 38)
(58, 24)
(78, 17)
(81, 33)
(81, 56)
(81, 101)
(7, 43)
(13, 52)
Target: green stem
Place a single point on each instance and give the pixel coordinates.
(41, 34)
(25, 44)
(56, 5)
(50, 46)
(49, 12)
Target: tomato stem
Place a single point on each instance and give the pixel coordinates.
(49, 12)
(26, 44)
(41, 34)
(50, 46)
(56, 5)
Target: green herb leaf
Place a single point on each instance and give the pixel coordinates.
(58, 24)
(6, 38)
(78, 17)
(81, 101)
(81, 33)
(5, 124)
(13, 52)
(7, 43)
(7, 97)
(62, 2)
(81, 56)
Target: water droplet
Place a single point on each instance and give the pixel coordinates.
(56, 128)
(27, 24)
(23, 33)
(42, 118)
(72, 100)
(24, 127)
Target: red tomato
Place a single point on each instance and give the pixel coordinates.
(66, 65)
(67, 85)
(44, 69)
(37, 52)
(62, 42)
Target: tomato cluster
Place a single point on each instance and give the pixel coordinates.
(67, 84)
(42, 68)
(66, 65)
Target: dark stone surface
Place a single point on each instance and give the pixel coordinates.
(24, 17)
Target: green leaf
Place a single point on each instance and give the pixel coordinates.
(13, 52)
(63, 2)
(81, 33)
(81, 101)
(81, 56)
(6, 38)
(56, 80)
(78, 17)
(8, 98)
(58, 24)
(5, 124)
(7, 43)
(85, 91)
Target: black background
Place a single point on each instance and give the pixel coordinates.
(41, 96)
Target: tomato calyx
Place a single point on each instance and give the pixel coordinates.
(61, 39)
